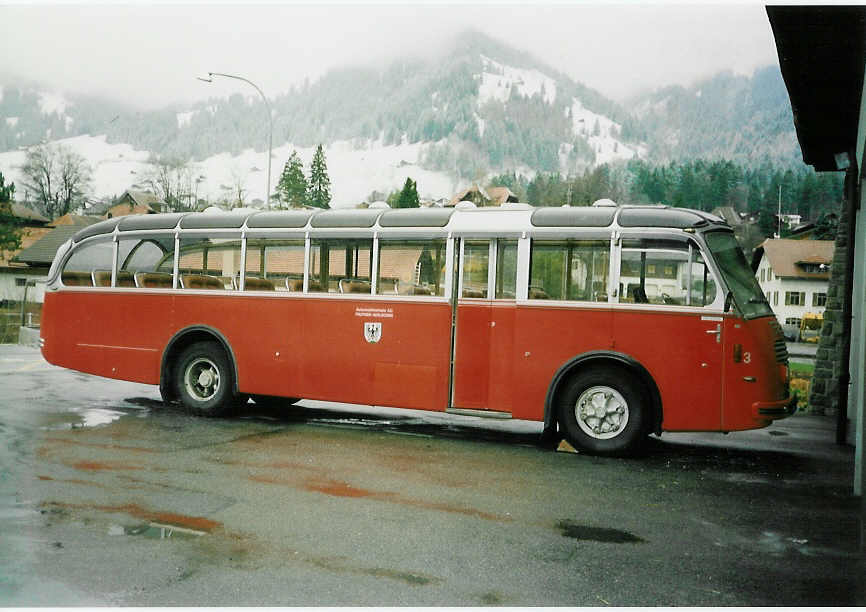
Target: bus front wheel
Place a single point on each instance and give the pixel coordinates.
(204, 379)
(602, 411)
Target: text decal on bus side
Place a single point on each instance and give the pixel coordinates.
(372, 331)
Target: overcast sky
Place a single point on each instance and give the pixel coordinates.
(148, 55)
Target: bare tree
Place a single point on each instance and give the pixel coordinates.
(58, 176)
(238, 187)
(172, 180)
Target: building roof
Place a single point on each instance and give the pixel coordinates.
(76, 220)
(821, 51)
(28, 214)
(792, 258)
(501, 195)
(466, 194)
(141, 198)
(41, 252)
(492, 196)
(29, 236)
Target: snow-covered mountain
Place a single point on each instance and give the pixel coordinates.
(483, 109)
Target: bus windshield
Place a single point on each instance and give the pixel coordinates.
(738, 275)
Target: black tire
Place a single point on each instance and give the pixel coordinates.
(274, 401)
(204, 380)
(603, 411)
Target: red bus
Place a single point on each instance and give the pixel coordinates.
(605, 322)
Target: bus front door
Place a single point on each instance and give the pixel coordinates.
(483, 333)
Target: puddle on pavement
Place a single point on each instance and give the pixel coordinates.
(89, 417)
(156, 531)
(596, 534)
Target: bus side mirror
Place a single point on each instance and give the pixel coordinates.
(729, 300)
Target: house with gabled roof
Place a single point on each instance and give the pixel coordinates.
(38, 246)
(492, 196)
(14, 275)
(132, 202)
(794, 276)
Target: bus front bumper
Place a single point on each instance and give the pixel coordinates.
(776, 410)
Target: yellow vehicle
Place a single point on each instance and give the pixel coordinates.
(810, 327)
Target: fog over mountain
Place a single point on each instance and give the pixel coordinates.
(481, 108)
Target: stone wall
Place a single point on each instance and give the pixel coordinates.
(824, 393)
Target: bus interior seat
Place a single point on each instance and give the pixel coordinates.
(297, 284)
(470, 292)
(101, 278)
(125, 279)
(391, 285)
(153, 280)
(420, 290)
(200, 281)
(254, 283)
(538, 294)
(354, 285)
(77, 279)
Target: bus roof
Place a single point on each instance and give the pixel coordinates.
(488, 219)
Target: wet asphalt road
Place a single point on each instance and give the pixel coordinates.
(109, 497)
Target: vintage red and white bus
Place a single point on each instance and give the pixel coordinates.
(605, 322)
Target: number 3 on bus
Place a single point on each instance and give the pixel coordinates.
(606, 322)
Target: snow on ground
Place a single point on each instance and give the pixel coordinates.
(354, 173)
(602, 134)
(52, 103)
(115, 166)
(183, 119)
(497, 79)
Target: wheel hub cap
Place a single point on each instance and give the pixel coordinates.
(202, 379)
(601, 412)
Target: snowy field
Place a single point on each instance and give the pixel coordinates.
(354, 173)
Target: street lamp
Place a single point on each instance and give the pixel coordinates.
(209, 79)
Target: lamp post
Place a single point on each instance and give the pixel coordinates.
(209, 79)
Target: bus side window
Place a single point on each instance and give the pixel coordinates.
(139, 258)
(476, 256)
(340, 265)
(703, 290)
(96, 255)
(506, 270)
(279, 261)
(569, 270)
(411, 267)
(663, 275)
(209, 263)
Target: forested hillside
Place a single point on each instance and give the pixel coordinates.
(482, 110)
(488, 106)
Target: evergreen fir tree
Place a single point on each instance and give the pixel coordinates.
(10, 231)
(293, 185)
(409, 195)
(319, 191)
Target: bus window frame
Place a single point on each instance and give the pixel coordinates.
(81, 246)
(524, 262)
(694, 247)
(212, 235)
(432, 239)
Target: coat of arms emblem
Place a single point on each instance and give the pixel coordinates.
(372, 331)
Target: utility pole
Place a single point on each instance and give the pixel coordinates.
(779, 215)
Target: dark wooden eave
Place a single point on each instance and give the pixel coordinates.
(821, 54)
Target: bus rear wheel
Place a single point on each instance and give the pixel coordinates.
(603, 411)
(204, 380)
